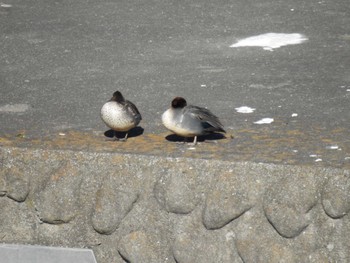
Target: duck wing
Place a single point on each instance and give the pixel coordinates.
(131, 108)
(209, 121)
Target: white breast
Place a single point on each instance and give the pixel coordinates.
(174, 124)
(168, 119)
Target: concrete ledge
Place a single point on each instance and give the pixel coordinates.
(143, 208)
(39, 254)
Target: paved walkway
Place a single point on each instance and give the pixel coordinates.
(61, 60)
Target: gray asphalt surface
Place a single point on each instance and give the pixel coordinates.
(61, 60)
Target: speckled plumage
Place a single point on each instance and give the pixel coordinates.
(120, 114)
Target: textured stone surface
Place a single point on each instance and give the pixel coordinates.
(257, 241)
(336, 196)
(111, 207)
(229, 198)
(17, 221)
(176, 210)
(17, 184)
(195, 244)
(138, 247)
(58, 201)
(287, 203)
(259, 252)
(3, 190)
(319, 256)
(177, 190)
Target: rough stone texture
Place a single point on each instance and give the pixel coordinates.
(257, 241)
(274, 252)
(336, 196)
(17, 221)
(229, 198)
(17, 184)
(288, 203)
(3, 190)
(111, 207)
(58, 202)
(177, 210)
(177, 190)
(195, 244)
(138, 247)
(319, 256)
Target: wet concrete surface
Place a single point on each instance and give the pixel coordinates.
(61, 60)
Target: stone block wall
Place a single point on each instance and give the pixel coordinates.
(139, 208)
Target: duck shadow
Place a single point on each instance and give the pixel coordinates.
(201, 138)
(134, 132)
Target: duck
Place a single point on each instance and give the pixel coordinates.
(120, 115)
(190, 121)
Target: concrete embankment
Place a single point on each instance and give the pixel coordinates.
(132, 207)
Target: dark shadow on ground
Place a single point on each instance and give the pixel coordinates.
(202, 138)
(134, 132)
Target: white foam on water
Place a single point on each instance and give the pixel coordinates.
(271, 41)
(245, 109)
(265, 121)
